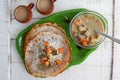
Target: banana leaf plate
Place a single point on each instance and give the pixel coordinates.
(62, 18)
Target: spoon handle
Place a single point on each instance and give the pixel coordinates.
(114, 39)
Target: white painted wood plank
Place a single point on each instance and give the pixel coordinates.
(16, 27)
(4, 62)
(79, 72)
(116, 57)
(4, 50)
(4, 40)
(110, 25)
(15, 57)
(97, 5)
(4, 11)
(102, 6)
(4, 75)
(116, 62)
(102, 56)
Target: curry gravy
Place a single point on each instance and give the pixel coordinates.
(83, 29)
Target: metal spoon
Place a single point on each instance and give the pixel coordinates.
(113, 39)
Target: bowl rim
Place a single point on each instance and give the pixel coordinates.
(98, 15)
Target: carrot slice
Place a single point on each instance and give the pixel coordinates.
(84, 42)
(58, 62)
(46, 43)
(48, 50)
(77, 22)
(43, 60)
(60, 50)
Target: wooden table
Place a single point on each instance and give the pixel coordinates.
(103, 64)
